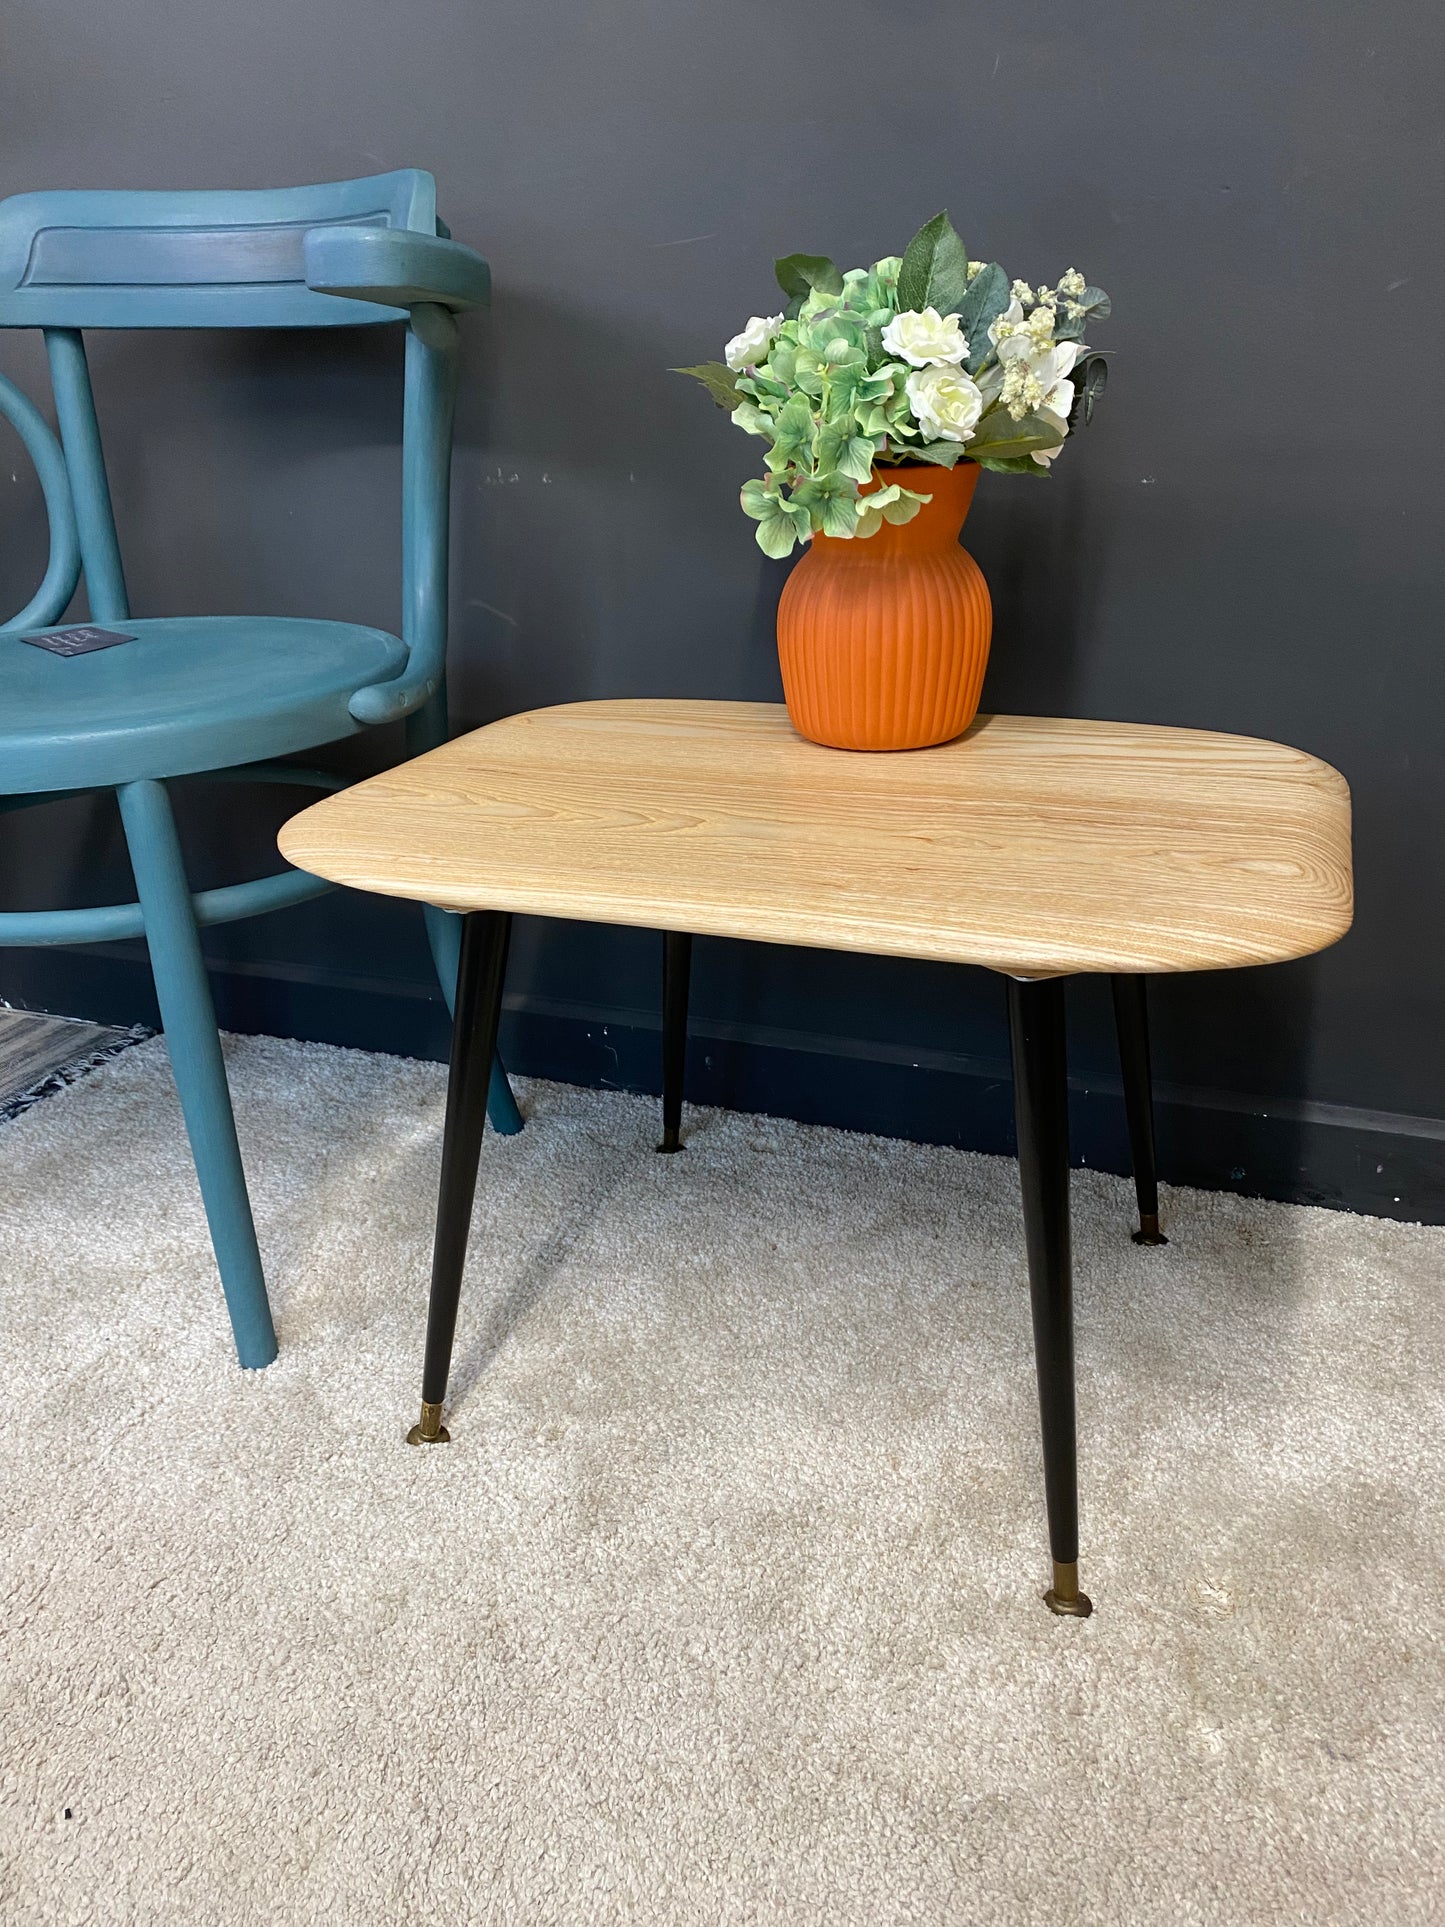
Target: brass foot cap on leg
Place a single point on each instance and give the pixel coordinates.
(1149, 1232)
(1064, 1597)
(429, 1429)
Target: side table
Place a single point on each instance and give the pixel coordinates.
(1036, 847)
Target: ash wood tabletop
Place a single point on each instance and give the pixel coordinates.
(1031, 845)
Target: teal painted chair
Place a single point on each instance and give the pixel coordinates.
(221, 696)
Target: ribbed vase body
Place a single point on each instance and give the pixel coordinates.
(883, 641)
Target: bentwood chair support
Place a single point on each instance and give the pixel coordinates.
(219, 697)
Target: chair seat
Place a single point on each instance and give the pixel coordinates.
(189, 693)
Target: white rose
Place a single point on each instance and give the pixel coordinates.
(945, 402)
(925, 339)
(751, 346)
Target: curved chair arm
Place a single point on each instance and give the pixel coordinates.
(63, 571)
(388, 702)
(434, 278)
(396, 267)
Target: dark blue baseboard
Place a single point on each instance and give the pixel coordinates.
(1380, 1163)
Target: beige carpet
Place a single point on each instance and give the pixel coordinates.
(723, 1607)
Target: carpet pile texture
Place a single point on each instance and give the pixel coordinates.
(724, 1604)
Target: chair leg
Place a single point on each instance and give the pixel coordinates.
(1041, 1109)
(189, 1020)
(1131, 1019)
(444, 932)
(480, 977)
(676, 972)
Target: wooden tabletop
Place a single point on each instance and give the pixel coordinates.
(1031, 845)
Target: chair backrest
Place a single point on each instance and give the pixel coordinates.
(72, 259)
(145, 259)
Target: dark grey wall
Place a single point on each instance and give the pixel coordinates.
(1249, 539)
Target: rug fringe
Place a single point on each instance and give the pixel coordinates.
(67, 1074)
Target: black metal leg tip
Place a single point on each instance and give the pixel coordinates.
(670, 1142)
(1064, 1598)
(429, 1429)
(1149, 1232)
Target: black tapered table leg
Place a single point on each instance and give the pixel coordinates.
(676, 972)
(1131, 1019)
(1041, 1111)
(480, 977)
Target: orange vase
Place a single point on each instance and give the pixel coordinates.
(883, 640)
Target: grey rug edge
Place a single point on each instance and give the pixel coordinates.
(71, 1071)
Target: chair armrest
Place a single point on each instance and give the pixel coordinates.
(395, 267)
(388, 702)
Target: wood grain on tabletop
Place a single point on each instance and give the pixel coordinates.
(1031, 844)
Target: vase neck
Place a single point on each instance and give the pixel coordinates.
(937, 524)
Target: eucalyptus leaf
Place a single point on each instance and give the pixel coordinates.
(987, 297)
(718, 379)
(934, 273)
(1090, 377)
(799, 274)
(1093, 305)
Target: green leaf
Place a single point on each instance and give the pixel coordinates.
(935, 269)
(988, 295)
(758, 500)
(1094, 305)
(839, 517)
(752, 421)
(1090, 376)
(856, 458)
(1019, 465)
(794, 426)
(940, 454)
(808, 372)
(799, 274)
(892, 504)
(829, 497)
(776, 536)
(780, 362)
(1001, 439)
(718, 379)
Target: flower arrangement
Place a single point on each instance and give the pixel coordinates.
(924, 358)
